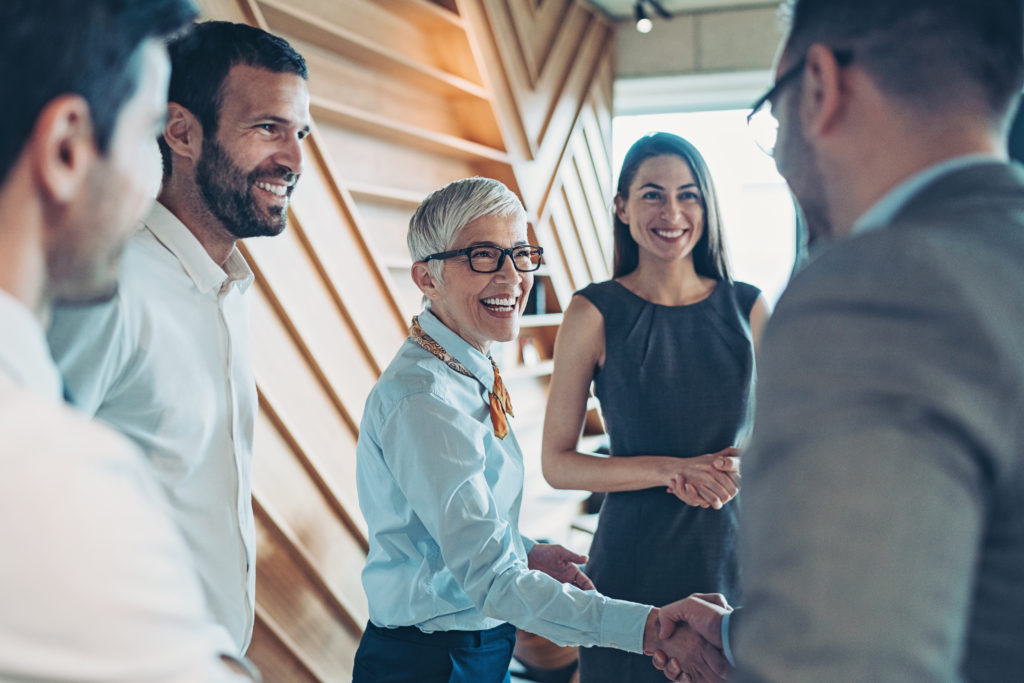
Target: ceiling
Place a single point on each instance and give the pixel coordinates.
(623, 9)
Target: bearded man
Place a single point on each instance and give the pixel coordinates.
(167, 361)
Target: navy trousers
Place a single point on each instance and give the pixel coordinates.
(408, 655)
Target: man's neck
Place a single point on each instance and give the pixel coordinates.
(185, 202)
(23, 267)
(885, 164)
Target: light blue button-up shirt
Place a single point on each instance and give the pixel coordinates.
(441, 496)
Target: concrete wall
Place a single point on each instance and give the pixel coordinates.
(699, 43)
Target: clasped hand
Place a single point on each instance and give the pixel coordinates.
(707, 480)
(689, 639)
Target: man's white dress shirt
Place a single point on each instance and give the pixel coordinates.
(167, 363)
(96, 583)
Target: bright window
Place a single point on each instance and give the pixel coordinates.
(758, 216)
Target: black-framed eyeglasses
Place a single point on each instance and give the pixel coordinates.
(487, 258)
(762, 122)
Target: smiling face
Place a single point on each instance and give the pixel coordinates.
(480, 307)
(663, 209)
(247, 171)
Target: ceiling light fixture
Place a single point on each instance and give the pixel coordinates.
(643, 22)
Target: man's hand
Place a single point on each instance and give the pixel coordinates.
(702, 613)
(559, 563)
(691, 657)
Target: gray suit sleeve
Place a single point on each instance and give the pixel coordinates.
(866, 482)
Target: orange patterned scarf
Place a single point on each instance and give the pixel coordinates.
(500, 402)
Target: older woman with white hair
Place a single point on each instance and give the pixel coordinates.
(449, 576)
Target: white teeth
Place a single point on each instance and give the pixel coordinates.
(279, 190)
(499, 301)
(669, 233)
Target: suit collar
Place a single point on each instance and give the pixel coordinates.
(977, 186)
(892, 204)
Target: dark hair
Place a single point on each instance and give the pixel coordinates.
(935, 54)
(1016, 142)
(708, 256)
(201, 60)
(82, 47)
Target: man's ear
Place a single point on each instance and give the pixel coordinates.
(824, 98)
(63, 147)
(183, 133)
(425, 280)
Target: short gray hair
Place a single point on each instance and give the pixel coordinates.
(444, 213)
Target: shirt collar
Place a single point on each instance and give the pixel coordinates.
(885, 209)
(194, 259)
(24, 355)
(464, 352)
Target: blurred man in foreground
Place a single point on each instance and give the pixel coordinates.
(98, 584)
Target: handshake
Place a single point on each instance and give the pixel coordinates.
(685, 638)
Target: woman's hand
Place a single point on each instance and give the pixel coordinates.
(559, 563)
(708, 480)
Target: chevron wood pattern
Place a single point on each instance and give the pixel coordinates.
(406, 96)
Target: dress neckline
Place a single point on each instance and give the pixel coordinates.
(630, 292)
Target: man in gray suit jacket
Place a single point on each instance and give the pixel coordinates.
(882, 536)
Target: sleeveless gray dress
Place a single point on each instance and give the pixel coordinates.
(677, 380)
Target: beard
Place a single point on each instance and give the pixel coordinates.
(804, 178)
(227, 191)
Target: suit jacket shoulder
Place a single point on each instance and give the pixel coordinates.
(888, 435)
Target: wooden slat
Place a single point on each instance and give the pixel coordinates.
(345, 258)
(367, 160)
(429, 15)
(272, 652)
(285, 18)
(312, 632)
(341, 80)
(302, 404)
(584, 222)
(285, 458)
(566, 59)
(353, 615)
(311, 313)
(486, 29)
(558, 131)
(565, 225)
(554, 257)
(386, 194)
(403, 133)
(538, 27)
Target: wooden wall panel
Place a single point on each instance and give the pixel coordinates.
(407, 95)
(289, 491)
(304, 404)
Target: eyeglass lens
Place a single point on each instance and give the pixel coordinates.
(764, 128)
(491, 259)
